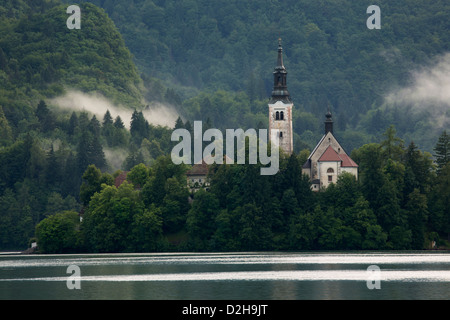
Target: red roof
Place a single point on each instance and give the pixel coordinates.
(347, 161)
(120, 178)
(331, 155)
(198, 169)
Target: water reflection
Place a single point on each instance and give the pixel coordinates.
(227, 276)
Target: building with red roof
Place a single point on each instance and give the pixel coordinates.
(197, 177)
(328, 160)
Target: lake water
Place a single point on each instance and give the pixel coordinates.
(225, 276)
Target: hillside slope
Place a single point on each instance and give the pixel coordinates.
(333, 59)
(40, 56)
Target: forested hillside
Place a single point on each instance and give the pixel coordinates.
(213, 61)
(44, 151)
(40, 56)
(332, 58)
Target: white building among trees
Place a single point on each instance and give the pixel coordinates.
(328, 160)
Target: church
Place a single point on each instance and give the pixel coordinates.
(328, 159)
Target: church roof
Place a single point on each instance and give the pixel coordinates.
(331, 155)
(347, 161)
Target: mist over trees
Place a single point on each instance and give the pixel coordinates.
(213, 61)
(202, 48)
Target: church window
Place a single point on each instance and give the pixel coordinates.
(281, 115)
(330, 170)
(330, 178)
(277, 116)
(281, 134)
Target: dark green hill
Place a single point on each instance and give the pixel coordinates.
(40, 56)
(330, 53)
(333, 59)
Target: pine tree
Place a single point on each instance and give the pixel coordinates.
(179, 123)
(97, 156)
(418, 167)
(94, 126)
(139, 127)
(46, 118)
(370, 160)
(83, 121)
(6, 135)
(73, 123)
(118, 123)
(107, 119)
(392, 146)
(108, 129)
(442, 151)
(83, 153)
(53, 170)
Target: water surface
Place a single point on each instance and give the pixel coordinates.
(221, 276)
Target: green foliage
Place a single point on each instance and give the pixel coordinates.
(138, 175)
(332, 59)
(213, 61)
(93, 179)
(108, 222)
(6, 136)
(80, 59)
(127, 219)
(200, 219)
(59, 233)
(241, 210)
(442, 151)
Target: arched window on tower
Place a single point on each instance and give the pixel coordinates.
(281, 115)
(277, 115)
(330, 170)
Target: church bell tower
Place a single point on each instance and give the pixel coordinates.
(280, 107)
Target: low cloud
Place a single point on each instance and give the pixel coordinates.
(115, 157)
(429, 90)
(155, 113)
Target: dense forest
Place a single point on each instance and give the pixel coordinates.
(213, 61)
(400, 202)
(198, 47)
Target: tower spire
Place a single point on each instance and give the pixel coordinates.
(280, 92)
(280, 56)
(328, 122)
(280, 108)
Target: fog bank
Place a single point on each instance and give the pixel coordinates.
(156, 114)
